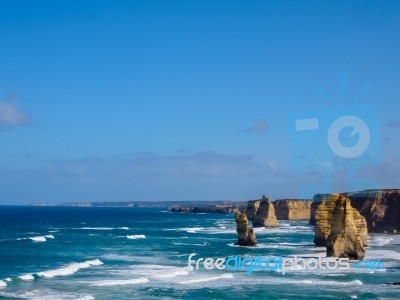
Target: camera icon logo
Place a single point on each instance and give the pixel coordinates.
(359, 127)
(330, 147)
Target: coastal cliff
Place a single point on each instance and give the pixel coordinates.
(381, 208)
(292, 209)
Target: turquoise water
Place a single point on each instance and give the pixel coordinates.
(142, 253)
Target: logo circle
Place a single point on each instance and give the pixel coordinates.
(359, 127)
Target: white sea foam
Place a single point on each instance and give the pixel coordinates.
(124, 228)
(2, 284)
(52, 231)
(332, 283)
(379, 240)
(26, 277)
(207, 279)
(38, 238)
(136, 236)
(95, 228)
(120, 282)
(50, 236)
(382, 254)
(70, 269)
(8, 279)
(88, 297)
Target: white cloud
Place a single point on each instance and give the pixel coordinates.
(12, 115)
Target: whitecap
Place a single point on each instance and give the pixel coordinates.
(8, 279)
(26, 277)
(332, 283)
(2, 284)
(379, 240)
(136, 236)
(38, 238)
(95, 228)
(88, 297)
(207, 279)
(70, 269)
(50, 236)
(120, 282)
(124, 228)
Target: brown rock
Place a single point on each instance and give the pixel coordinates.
(343, 240)
(246, 235)
(265, 215)
(323, 221)
(381, 208)
(317, 200)
(251, 209)
(292, 209)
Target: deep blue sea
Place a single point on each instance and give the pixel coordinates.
(142, 253)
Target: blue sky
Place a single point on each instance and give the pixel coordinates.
(194, 100)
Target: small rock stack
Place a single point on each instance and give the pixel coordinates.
(262, 213)
(246, 235)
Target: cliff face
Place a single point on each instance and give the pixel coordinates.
(381, 208)
(292, 209)
(246, 235)
(251, 209)
(343, 239)
(265, 215)
(324, 221)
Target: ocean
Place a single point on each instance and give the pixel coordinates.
(142, 253)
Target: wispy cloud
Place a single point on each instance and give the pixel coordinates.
(393, 124)
(12, 115)
(259, 127)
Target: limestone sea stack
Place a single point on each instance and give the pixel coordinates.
(251, 209)
(323, 217)
(246, 235)
(292, 209)
(317, 200)
(343, 240)
(265, 215)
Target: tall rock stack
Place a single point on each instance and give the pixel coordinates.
(265, 215)
(323, 218)
(246, 235)
(343, 240)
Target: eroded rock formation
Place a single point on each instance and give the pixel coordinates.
(323, 217)
(381, 208)
(265, 215)
(251, 209)
(343, 239)
(317, 200)
(246, 235)
(292, 209)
